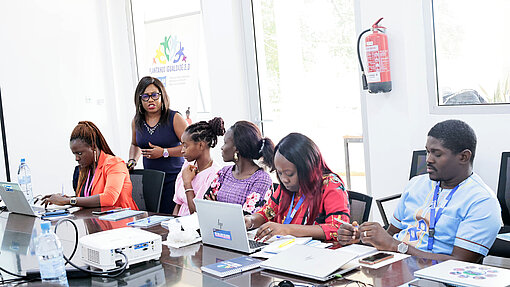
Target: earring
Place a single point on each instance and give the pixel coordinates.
(236, 156)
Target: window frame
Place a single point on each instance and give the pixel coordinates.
(432, 80)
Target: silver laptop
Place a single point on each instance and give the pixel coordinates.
(18, 233)
(222, 224)
(459, 273)
(310, 262)
(16, 201)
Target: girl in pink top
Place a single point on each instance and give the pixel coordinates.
(194, 179)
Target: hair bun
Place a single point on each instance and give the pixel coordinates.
(217, 126)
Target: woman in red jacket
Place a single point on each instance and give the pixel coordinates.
(103, 180)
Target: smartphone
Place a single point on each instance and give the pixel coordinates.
(376, 258)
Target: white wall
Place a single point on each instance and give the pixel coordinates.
(66, 61)
(62, 62)
(397, 122)
(225, 46)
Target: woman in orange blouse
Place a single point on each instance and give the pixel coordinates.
(310, 199)
(103, 180)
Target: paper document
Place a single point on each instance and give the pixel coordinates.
(285, 242)
(188, 222)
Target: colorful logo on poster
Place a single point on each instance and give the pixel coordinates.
(170, 56)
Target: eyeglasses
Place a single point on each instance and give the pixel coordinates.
(154, 96)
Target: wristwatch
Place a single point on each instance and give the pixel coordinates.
(165, 153)
(402, 247)
(72, 201)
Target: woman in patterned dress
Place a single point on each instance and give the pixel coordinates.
(310, 200)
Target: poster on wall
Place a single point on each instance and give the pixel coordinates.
(172, 57)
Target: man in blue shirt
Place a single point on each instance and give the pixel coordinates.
(448, 214)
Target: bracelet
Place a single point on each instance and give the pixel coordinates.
(132, 159)
(189, 189)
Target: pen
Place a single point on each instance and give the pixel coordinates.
(115, 210)
(341, 221)
(286, 243)
(63, 190)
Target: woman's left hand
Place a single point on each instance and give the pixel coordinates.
(153, 152)
(270, 229)
(57, 199)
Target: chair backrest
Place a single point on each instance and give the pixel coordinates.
(418, 166)
(147, 188)
(380, 206)
(418, 163)
(504, 187)
(360, 206)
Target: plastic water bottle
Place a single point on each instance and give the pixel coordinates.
(49, 253)
(25, 180)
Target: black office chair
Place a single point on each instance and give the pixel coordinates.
(500, 247)
(360, 206)
(380, 206)
(418, 163)
(147, 188)
(418, 167)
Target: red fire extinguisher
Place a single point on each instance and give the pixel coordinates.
(378, 78)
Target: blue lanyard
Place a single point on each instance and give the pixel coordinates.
(434, 218)
(292, 211)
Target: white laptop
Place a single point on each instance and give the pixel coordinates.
(16, 201)
(461, 273)
(222, 225)
(312, 262)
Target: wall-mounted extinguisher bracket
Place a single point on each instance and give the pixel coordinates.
(377, 79)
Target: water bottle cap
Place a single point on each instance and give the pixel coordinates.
(45, 225)
(22, 160)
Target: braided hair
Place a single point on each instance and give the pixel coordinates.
(207, 131)
(89, 133)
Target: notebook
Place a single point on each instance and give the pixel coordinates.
(120, 215)
(312, 262)
(465, 274)
(232, 266)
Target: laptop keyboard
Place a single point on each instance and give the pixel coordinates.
(255, 244)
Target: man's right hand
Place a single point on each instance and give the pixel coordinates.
(348, 234)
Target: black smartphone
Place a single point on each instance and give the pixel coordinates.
(376, 258)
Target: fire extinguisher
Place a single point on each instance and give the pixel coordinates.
(377, 78)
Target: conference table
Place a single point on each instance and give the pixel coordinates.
(176, 267)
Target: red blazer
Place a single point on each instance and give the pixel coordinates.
(112, 182)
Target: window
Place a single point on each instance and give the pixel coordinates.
(471, 52)
(308, 76)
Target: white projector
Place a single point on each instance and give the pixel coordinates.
(98, 249)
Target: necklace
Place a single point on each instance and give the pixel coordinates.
(206, 166)
(149, 129)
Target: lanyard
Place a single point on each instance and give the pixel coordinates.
(88, 188)
(292, 211)
(434, 218)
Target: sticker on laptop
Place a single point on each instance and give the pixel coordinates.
(8, 188)
(474, 272)
(222, 234)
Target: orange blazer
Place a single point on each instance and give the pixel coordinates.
(112, 182)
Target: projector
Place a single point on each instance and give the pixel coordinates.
(98, 249)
